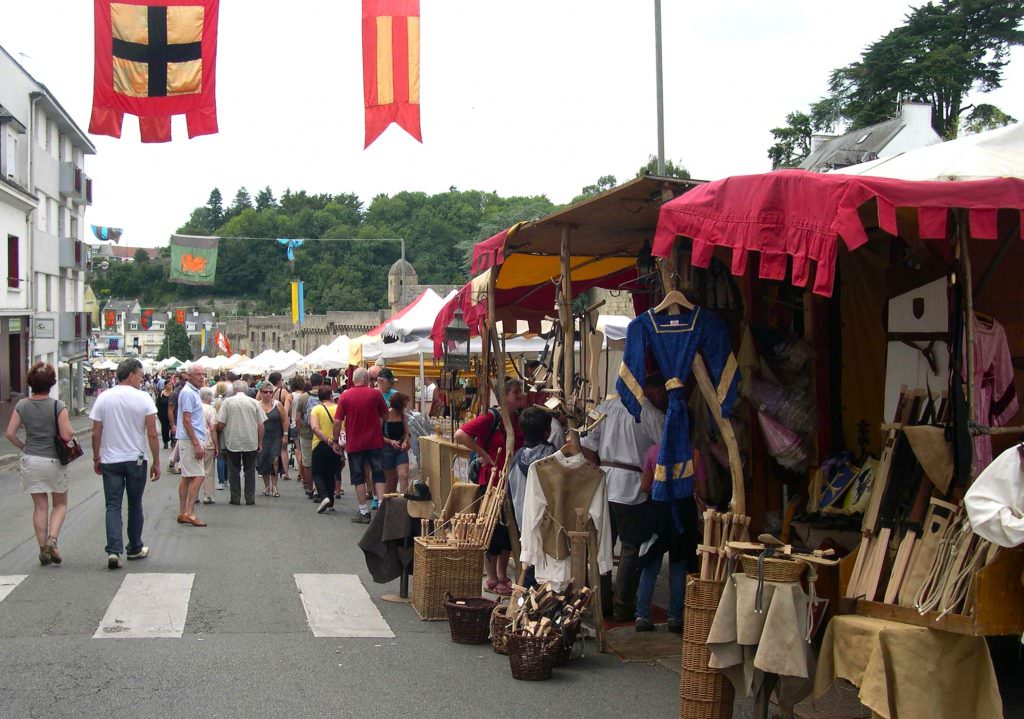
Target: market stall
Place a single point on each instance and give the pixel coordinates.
(934, 259)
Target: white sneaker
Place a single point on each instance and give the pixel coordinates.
(141, 554)
(324, 505)
(113, 561)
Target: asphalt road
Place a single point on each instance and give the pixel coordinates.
(246, 649)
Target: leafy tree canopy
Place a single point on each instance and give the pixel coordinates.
(175, 343)
(943, 50)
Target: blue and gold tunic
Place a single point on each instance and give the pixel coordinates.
(673, 340)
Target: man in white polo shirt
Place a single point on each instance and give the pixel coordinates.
(123, 421)
(190, 427)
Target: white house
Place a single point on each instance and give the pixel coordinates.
(43, 195)
(911, 129)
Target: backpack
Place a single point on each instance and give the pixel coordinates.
(474, 459)
(312, 402)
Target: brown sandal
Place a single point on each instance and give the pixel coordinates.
(44, 554)
(54, 554)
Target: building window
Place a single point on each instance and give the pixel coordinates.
(13, 268)
(133, 326)
(263, 336)
(293, 343)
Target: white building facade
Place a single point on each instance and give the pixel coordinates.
(44, 192)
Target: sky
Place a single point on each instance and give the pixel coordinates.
(524, 98)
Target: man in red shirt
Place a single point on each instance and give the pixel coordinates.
(362, 411)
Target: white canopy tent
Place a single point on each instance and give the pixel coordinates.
(986, 155)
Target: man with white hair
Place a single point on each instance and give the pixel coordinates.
(191, 435)
(362, 411)
(240, 420)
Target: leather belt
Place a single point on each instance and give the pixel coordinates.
(620, 465)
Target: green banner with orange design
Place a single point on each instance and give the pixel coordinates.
(193, 259)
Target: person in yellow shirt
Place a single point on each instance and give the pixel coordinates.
(328, 454)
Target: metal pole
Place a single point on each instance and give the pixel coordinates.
(660, 87)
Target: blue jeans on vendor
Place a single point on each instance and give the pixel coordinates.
(677, 588)
(674, 531)
(119, 479)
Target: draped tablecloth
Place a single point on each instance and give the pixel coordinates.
(747, 645)
(909, 672)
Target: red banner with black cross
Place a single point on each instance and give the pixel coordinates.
(391, 66)
(154, 59)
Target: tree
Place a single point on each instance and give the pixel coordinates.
(986, 117)
(942, 51)
(671, 169)
(215, 208)
(792, 141)
(141, 256)
(605, 182)
(265, 199)
(175, 343)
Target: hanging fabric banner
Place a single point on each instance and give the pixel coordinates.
(179, 316)
(107, 234)
(109, 319)
(298, 311)
(221, 341)
(193, 259)
(290, 246)
(391, 66)
(146, 319)
(154, 59)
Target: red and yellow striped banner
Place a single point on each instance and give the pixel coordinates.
(391, 66)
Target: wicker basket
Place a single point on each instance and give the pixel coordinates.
(704, 693)
(500, 624)
(563, 652)
(531, 658)
(775, 570)
(469, 618)
(438, 570)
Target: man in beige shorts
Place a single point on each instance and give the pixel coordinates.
(191, 435)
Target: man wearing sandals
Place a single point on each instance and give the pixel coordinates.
(191, 436)
(123, 420)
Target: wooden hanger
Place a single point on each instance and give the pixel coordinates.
(985, 317)
(673, 298)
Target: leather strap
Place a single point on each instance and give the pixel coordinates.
(620, 465)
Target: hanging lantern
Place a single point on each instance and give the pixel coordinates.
(455, 334)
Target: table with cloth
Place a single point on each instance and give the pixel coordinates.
(766, 650)
(905, 672)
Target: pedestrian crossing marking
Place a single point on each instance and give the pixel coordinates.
(337, 605)
(8, 583)
(148, 606)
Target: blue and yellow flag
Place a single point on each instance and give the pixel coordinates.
(298, 311)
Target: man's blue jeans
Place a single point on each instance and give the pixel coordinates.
(677, 588)
(120, 478)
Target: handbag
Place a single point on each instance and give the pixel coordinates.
(67, 452)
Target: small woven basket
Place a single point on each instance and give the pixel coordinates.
(469, 618)
(531, 658)
(500, 624)
(775, 570)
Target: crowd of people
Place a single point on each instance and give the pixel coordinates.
(223, 430)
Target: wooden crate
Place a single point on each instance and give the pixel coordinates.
(436, 457)
(439, 569)
(998, 601)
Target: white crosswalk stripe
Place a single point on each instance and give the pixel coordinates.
(337, 605)
(8, 583)
(148, 606)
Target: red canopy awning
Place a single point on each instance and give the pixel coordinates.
(802, 215)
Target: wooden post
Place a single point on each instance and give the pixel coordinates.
(568, 328)
(967, 283)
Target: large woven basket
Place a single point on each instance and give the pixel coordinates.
(704, 693)
(775, 570)
(531, 658)
(438, 570)
(469, 618)
(500, 624)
